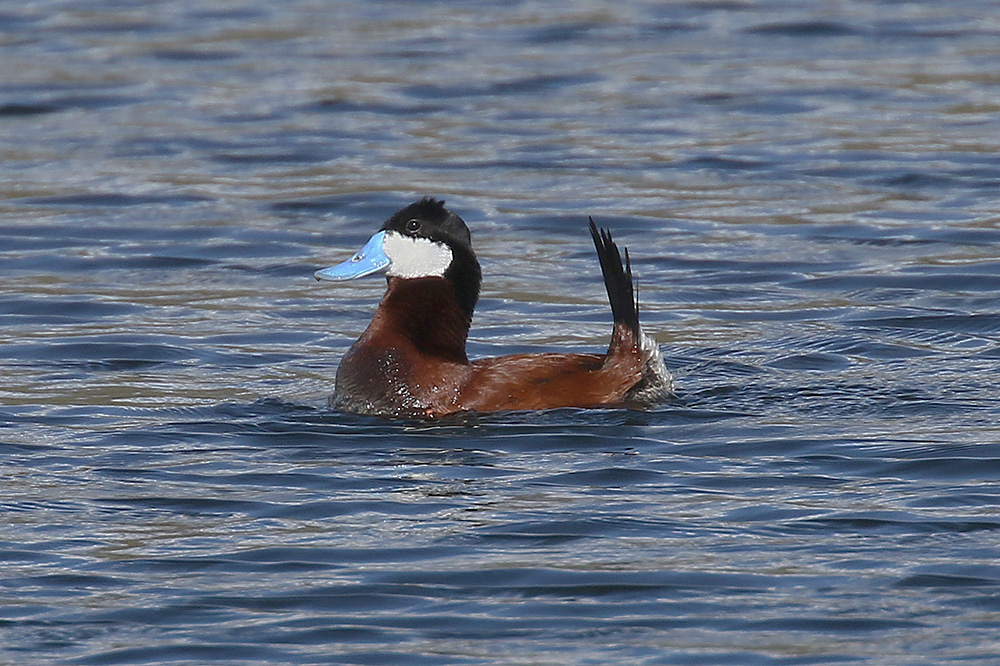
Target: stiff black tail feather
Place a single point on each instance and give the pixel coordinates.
(617, 279)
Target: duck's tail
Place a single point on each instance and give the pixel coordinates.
(655, 382)
(617, 280)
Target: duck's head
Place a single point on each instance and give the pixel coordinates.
(423, 240)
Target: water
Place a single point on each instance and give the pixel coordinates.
(809, 193)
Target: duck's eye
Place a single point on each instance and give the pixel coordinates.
(412, 226)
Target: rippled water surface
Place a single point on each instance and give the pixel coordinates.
(811, 195)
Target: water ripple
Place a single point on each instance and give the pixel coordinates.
(809, 202)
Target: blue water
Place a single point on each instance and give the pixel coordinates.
(809, 192)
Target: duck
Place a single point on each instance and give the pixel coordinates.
(411, 360)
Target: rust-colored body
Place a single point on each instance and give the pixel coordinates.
(411, 362)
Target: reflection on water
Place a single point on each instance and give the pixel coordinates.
(808, 195)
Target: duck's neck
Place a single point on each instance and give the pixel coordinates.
(426, 311)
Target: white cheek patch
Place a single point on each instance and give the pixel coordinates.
(415, 257)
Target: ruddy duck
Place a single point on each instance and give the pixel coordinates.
(411, 361)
